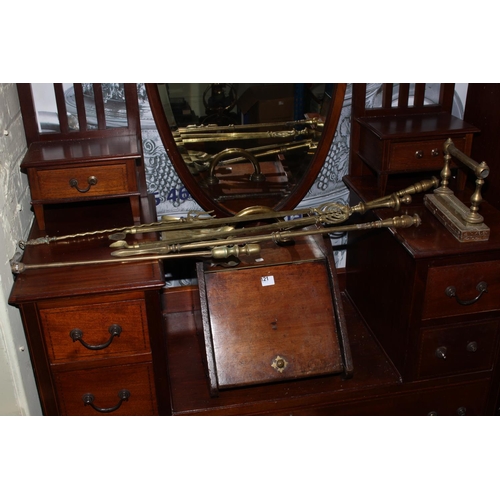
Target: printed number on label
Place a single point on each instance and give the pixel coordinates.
(267, 280)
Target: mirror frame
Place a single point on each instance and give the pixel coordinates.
(201, 197)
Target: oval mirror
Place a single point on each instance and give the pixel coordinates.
(239, 145)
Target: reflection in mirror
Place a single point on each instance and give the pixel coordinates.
(236, 145)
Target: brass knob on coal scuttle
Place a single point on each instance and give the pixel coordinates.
(279, 364)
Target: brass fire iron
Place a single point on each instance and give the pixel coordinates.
(224, 239)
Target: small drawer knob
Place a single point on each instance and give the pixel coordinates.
(432, 414)
(441, 352)
(419, 154)
(462, 411)
(435, 152)
(472, 346)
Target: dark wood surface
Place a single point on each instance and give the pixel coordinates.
(425, 126)
(50, 154)
(430, 238)
(80, 280)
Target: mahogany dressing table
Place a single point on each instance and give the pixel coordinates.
(111, 339)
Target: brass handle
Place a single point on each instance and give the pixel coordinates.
(257, 176)
(91, 181)
(481, 287)
(88, 400)
(419, 154)
(77, 335)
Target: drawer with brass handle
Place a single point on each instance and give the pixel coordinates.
(462, 289)
(77, 332)
(120, 390)
(83, 181)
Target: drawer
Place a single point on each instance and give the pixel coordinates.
(120, 390)
(99, 329)
(455, 349)
(447, 400)
(419, 155)
(83, 181)
(465, 297)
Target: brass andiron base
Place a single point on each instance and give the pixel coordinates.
(466, 224)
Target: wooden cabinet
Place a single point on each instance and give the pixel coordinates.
(94, 331)
(458, 400)
(64, 172)
(92, 151)
(401, 144)
(402, 136)
(431, 301)
(93, 323)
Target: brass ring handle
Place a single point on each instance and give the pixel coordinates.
(91, 181)
(257, 176)
(88, 400)
(77, 335)
(481, 287)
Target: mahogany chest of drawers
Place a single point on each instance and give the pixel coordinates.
(431, 301)
(94, 331)
(404, 144)
(84, 170)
